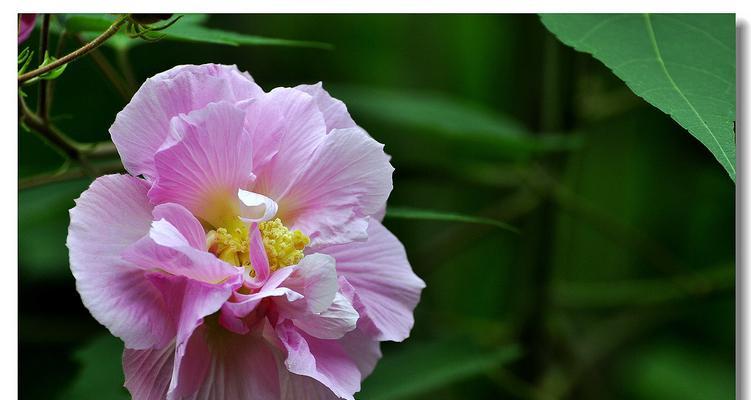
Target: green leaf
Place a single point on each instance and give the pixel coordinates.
(43, 224)
(414, 213)
(188, 29)
(24, 59)
(677, 370)
(459, 121)
(682, 64)
(55, 72)
(624, 293)
(424, 367)
(201, 34)
(101, 375)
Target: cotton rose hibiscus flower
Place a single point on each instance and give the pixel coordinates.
(243, 256)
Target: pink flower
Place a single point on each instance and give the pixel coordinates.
(249, 261)
(25, 26)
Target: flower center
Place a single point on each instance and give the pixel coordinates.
(283, 247)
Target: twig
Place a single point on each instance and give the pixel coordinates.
(44, 85)
(109, 72)
(127, 69)
(70, 174)
(77, 53)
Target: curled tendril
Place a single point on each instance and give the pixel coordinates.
(135, 29)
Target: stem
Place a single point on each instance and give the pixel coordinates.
(109, 73)
(127, 69)
(71, 174)
(77, 53)
(44, 86)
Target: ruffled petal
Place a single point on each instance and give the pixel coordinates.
(189, 302)
(315, 278)
(345, 181)
(323, 360)
(207, 164)
(302, 131)
(332, 323)
(363, 350)
(148, 372)
(383, 280)
(240, 367)
(334, 111)
(179, 217)
(166, 248)
(240, 305)
(108, 217)
(142, 126)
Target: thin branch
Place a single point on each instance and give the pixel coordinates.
(126, 67)
(109, 72)
(68, 146)
(77, 53)
(67, 175)
(44, 38)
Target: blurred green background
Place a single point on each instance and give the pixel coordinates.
(619, 284)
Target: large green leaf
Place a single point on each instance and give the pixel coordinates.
(425, 367)
(682, 64)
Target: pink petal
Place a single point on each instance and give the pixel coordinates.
(334, 111)
(143, 125)
(344, 182)
(315, 278)
(303, 129)
(108, 217)
(188, 302)
(179, 217)
(167, 249)
(363, 350)
(205, 168)
(240, 305)
(25, 26)
(148, 372)
(379, 271)
(323, 360)
(301, 387)
(332, 323)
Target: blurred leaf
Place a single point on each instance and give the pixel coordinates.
(463, 122)
(101, 374)
(197, 33)
(642, 292)
(422, 368)
(43, 224)
(682, 372)
(24, 58)
(414, 213)
(682, 64)
(188, 29)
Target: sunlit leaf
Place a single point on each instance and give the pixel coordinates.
(424, 367)
(682, 64)
(101, 375)
(415, 213)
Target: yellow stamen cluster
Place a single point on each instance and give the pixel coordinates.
(283, 247)
(231, 244)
